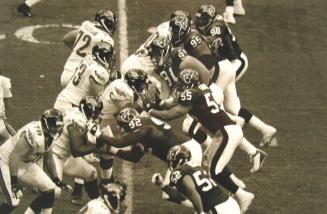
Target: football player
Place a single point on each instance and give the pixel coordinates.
(193, 183)
(90, 78)
(18, 157)
(80, 130)
(223, 42)
(6, 131)
(233, 7)
(25, 7)
(197, 100)
(83, 40)
(112, 200)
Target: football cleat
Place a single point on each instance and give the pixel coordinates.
(24, 9)
(269, 139)
(229, 18)
(238, 8)
(258, 159)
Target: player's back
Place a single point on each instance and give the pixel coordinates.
(88, 35)
(162, 137)
(73, 117)
(34, 137)
(95, 206)
(205, 108)
(210, 193)
(80, 86)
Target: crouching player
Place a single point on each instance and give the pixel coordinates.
(111, 200)
(195, 185)
(18, 157)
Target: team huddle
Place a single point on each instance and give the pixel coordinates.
(187, 69)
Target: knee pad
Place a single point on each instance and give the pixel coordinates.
(47, 199)
(106, 163)
(244, 113)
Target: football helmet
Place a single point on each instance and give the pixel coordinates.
(179, 27)
(188, 78)
(114, 195)
(104, 53)
(126, 119)
(52, 123)
(107, 19)
(137, 79)
(205, 16)
(91, 107)
(181, 13)
(178, 155)
(159, 49)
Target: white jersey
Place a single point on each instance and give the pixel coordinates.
(73, 117)
(95, 206)
(5, 92)
(88, 35)
(138, 61)
(34, 137)
(116, 95)
(80, 86)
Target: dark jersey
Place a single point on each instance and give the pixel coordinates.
(205, 108)
(196, 45)
(228, 47)
(211, 195)
(160, 138)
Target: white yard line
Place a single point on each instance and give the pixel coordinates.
(123, 54)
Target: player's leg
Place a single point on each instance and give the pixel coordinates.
(229, 12)
(238, 8)
(31, 174)
(5, 184)
(6, 131)
(196, 151)
(240, 66)
(80, 168)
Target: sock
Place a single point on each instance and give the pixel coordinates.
(29, 211)
(46, 211)
(106, 167)
(245, 114)
(246, 146)
(223, 179)
(92, 189)
(30, 3)
(229, 2)
(78, 188)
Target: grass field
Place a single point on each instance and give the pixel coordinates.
(285, 85)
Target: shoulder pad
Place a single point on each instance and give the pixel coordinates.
(75, 117)
(100, 74)
(119, 90)
(34, 134)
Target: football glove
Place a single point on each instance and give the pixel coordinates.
(157, 179)
(62, 185)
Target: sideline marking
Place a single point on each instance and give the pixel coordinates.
(123, 54)
(26, 33)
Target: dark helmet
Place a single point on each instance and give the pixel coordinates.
(159, 48)
(136, 79)
(107, 19)
(114, 194)
(128, 119)
(91, 107)
(52, 123)
(188, 78)
(179, 27)
(104, 53)
(181, 13)
(178, 155)
(205, 16)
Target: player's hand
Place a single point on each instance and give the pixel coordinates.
(157, 179)
(16, 188)
(62, 185)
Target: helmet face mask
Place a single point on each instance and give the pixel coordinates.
(107, 19)
(159, 50)
(91, 107)
(113, 195)
(104, 53)
(136, 79)
(205, 16)
(179, 27)
(52, 124)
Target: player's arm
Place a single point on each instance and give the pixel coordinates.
(21, 149)
(50, 164)
(96, 87)
(128, 139)
(173, 113)
(79, 141)
(189, 190)
(133, 153)
(69, 38)
(191, 62)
